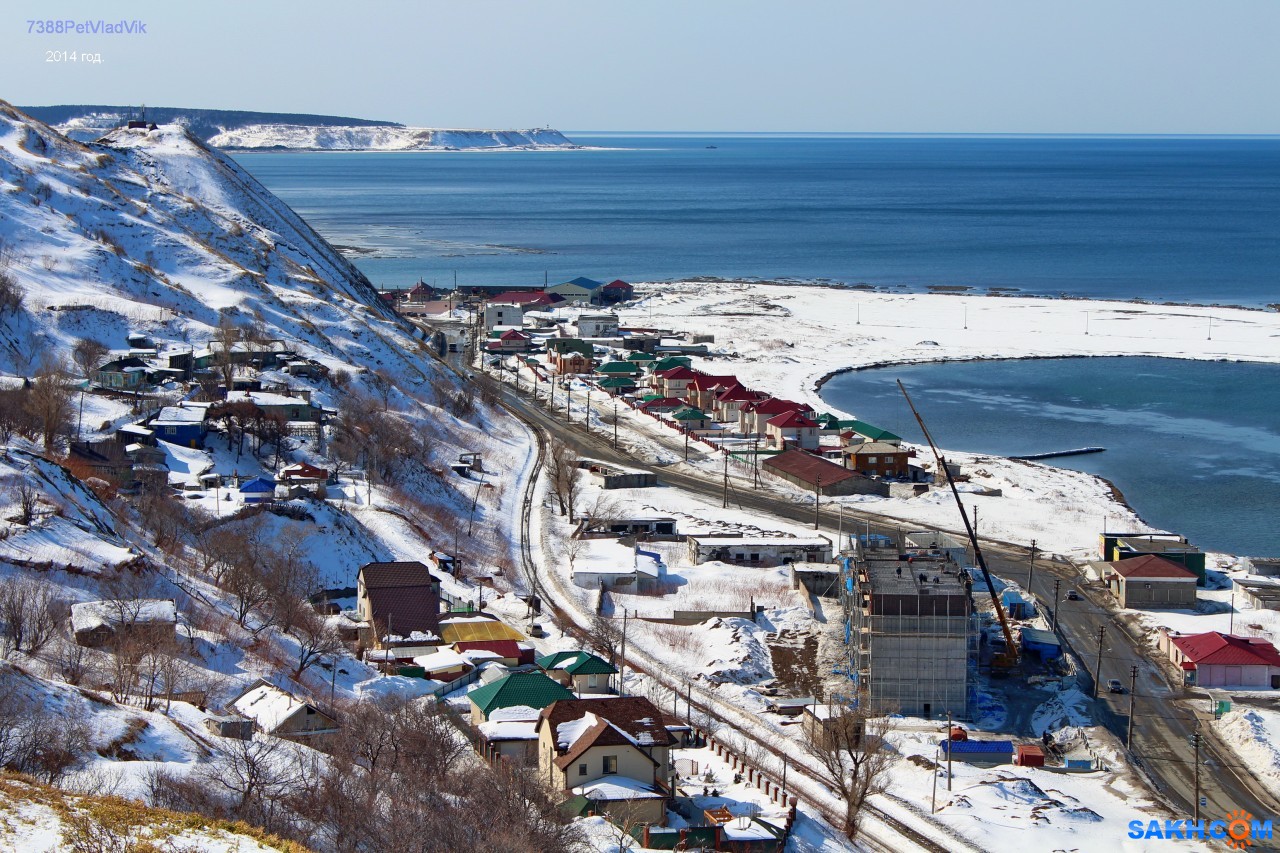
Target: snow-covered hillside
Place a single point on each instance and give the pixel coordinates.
(385, 138)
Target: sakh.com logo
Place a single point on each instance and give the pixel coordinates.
(1239, 830)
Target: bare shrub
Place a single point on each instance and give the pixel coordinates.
(32, 611)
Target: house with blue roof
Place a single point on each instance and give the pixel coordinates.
(259, 490)
(580, 289)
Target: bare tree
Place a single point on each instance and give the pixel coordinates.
(316, 639)
(27, 495)
(853, 758)
(49, 400)
(605, 637)
(258, 776)
(88, 355)
(564, 474)
(31, 611)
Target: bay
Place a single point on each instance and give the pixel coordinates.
(1193, 445)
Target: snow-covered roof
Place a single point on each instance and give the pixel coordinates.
(612, 788)
(268, 706)
(177, 415)
(89, 615)
(265, 398)
(443, 659)
(509, 729)
(514, 712)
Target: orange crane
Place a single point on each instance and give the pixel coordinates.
(1009, 658)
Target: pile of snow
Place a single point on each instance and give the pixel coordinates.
(1254, 734)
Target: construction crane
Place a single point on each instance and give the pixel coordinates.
(1009, 658)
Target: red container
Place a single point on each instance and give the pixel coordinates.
(1029, 755)
(957, 733)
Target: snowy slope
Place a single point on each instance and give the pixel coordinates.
(385, 138)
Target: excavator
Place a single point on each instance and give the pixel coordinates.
(1001, 662)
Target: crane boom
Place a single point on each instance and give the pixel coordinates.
(973, 537)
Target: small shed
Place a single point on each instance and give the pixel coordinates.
(978, 751)
(258, 490)
(1029, 755)
(1043, 644)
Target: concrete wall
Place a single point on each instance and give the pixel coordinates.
(1139, 593)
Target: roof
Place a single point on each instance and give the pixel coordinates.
(513, 335)
(1035, 635)
(774, 406)
(680, 372)
(265, 398)
(618, 284)
(466, 630)
(1151, 566)
(267, 705)
(258, 484)
(88, 615)
(618, 382)
(872, 432)
(501, 648)
(492, 730)
(583, 282)
(301, 470)
(807, 468)
(614, 788)
(577, 663)
(522, 298)
(519, 688)
(175, 415)
(1002, 747)
(790, 420)
(867, 448)
(618, 367)
(707, 381)
(660, 402)
(579, 735)
(689, 413)
(1217, 649)
(401, 574)
(635, 716)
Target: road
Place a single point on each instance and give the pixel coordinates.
(1163, 725)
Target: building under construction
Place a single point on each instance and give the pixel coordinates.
(911, 630)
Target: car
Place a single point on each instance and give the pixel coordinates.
(1114, 686)
(1072, 595)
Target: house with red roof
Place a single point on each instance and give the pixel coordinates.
(792, 429)
(529, 300)
(753, 415)
(1214, 659)
(1150, 581)
(703, 388)
(673, 382)
(729, 402)
(512, 340)
(616, 291)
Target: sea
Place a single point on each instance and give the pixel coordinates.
(1164, 219)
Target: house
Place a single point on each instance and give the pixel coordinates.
(656, 525)
(616, 385)
(729, 402)
(570, 355)
(673, 382)
(691, 419)
(1214, 659)
(510, 734)
(615, 751)
(1125, 546)
(107, 459)
(981, 752)
(293, 405)
(878, 459)
(616, 291)
(856, 432)
(818, 475)
(258, 490)
(123, 374)
(505, 652)
(757, 550)
(1259, 595)
(1150, 582)
(702, 389)
(512, 340)
(475, 626)
(670, 362)
(644, 359)
(181, 425)
(792, 429)
(443, 665)
(398, 599)
(618, 368)
(302, 474)
(580, 289)
(597, 325)
(658, 404)
(148, 621)
(528, 300)
(281, 714)
(753, 415)
(502, 314)
(580, 671)
(517, 689)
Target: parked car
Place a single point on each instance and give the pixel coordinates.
(1114, 686)
(1072, 595)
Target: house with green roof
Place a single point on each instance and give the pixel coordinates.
(618, 368)
(860, 431)
(616, 385)
(641, 357)
(525, 689)
(570, 345)
(581, 671)
(670, 362)
(691, 418)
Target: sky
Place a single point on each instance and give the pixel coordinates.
(982, 66)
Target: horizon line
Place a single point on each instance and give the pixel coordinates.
(925, 134)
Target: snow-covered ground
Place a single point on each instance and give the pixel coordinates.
(387, 138)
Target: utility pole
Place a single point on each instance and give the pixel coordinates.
(1133, 698)
(949, 750)
(686, 444)
(784, 777)
(1231, 620)
(1195, 742)
(622, 662)
(586, 416)
(615, 423)
(724, 502)
(568, 402)
(933, 806)
(1097, 672)
(817, 493)
(1057, 583)
(1031, 572)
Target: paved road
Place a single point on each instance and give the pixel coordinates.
(1162, 727)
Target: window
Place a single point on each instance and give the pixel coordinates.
(755, 558)
(871, 460)
(582, 770)
(611, 764)
(592, 680)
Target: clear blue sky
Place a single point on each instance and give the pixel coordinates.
(1021, 66)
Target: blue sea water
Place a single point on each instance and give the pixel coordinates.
(1181, 219)
(1193, 446)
